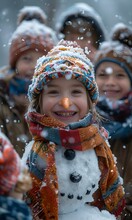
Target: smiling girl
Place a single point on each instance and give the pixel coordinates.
(61, 115)
(31, 39)
(113, 71)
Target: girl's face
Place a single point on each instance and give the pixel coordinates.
(65, 100)
(112, 80)
(26, 63)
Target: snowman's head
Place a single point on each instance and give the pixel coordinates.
(78, 177)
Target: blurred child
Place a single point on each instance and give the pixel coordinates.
(62, 97)
(31, 40)
(113, 69)
(81, 23)
(14, 182)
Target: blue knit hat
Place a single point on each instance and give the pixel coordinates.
(67, 60)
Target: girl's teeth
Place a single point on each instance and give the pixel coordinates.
(64, 114)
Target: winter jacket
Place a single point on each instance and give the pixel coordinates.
(12, 121)
(119, 125)
(124, 163)
(13, 209)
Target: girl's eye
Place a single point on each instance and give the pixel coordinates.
(76, 91)
(120, 75)
(53, 92)
(101, 74)
(26, 58)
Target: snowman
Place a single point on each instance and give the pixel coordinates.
(78, 178)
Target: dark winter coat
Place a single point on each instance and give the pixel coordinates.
(119, 125)
(12, 121)
(13, 209)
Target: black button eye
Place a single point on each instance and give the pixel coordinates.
(69, 154)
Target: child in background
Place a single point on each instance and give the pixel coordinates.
(62, 97)
(15, 180)
(113, 69)
(81, 23)
(31, 40)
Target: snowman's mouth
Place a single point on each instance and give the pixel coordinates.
(79, 197)
(71, 196)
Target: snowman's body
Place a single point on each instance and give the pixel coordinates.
(78, 178)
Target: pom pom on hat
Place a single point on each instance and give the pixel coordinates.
(31, 34)
(67, 60)
(122, 33)
(28, 13)
(9, 166)
(118, 49)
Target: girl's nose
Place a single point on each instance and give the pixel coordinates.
(65, 102)
(110, 80)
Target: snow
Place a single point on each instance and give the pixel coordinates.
(78, 178)
(109, 70)
(83, 164)
(27, 151)
(119, 26)
(83, 9)
(109, 45)
(86, 50)
(33, 10)
(32, 28)
(68, 75)
(88, 213)
(44, 134)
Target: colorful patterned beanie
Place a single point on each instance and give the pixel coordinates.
(9, 166)
(31, 34)
(67, 60)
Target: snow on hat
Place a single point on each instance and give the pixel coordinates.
(67, 60)
(30, 12)
(118, 49)
(9, 165)
(82, 10)
(122, 33)
(31, 33)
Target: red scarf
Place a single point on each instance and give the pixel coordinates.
(88, 137)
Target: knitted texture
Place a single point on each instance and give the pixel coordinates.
(65, 60)
(86, 136)
(31, 34)
(9, 166)
(11, 208)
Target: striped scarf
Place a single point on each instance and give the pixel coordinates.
(48, 133)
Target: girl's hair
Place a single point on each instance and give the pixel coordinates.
(35, 103)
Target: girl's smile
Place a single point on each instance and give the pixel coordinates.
(65, 100)
(115, 83)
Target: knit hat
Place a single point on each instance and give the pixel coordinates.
(31, 34)
(28, 13)
(87, 13)
(9, 165)
(67, 60)
(14, 176)
(118, 50)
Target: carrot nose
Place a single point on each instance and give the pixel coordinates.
(65, 102)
